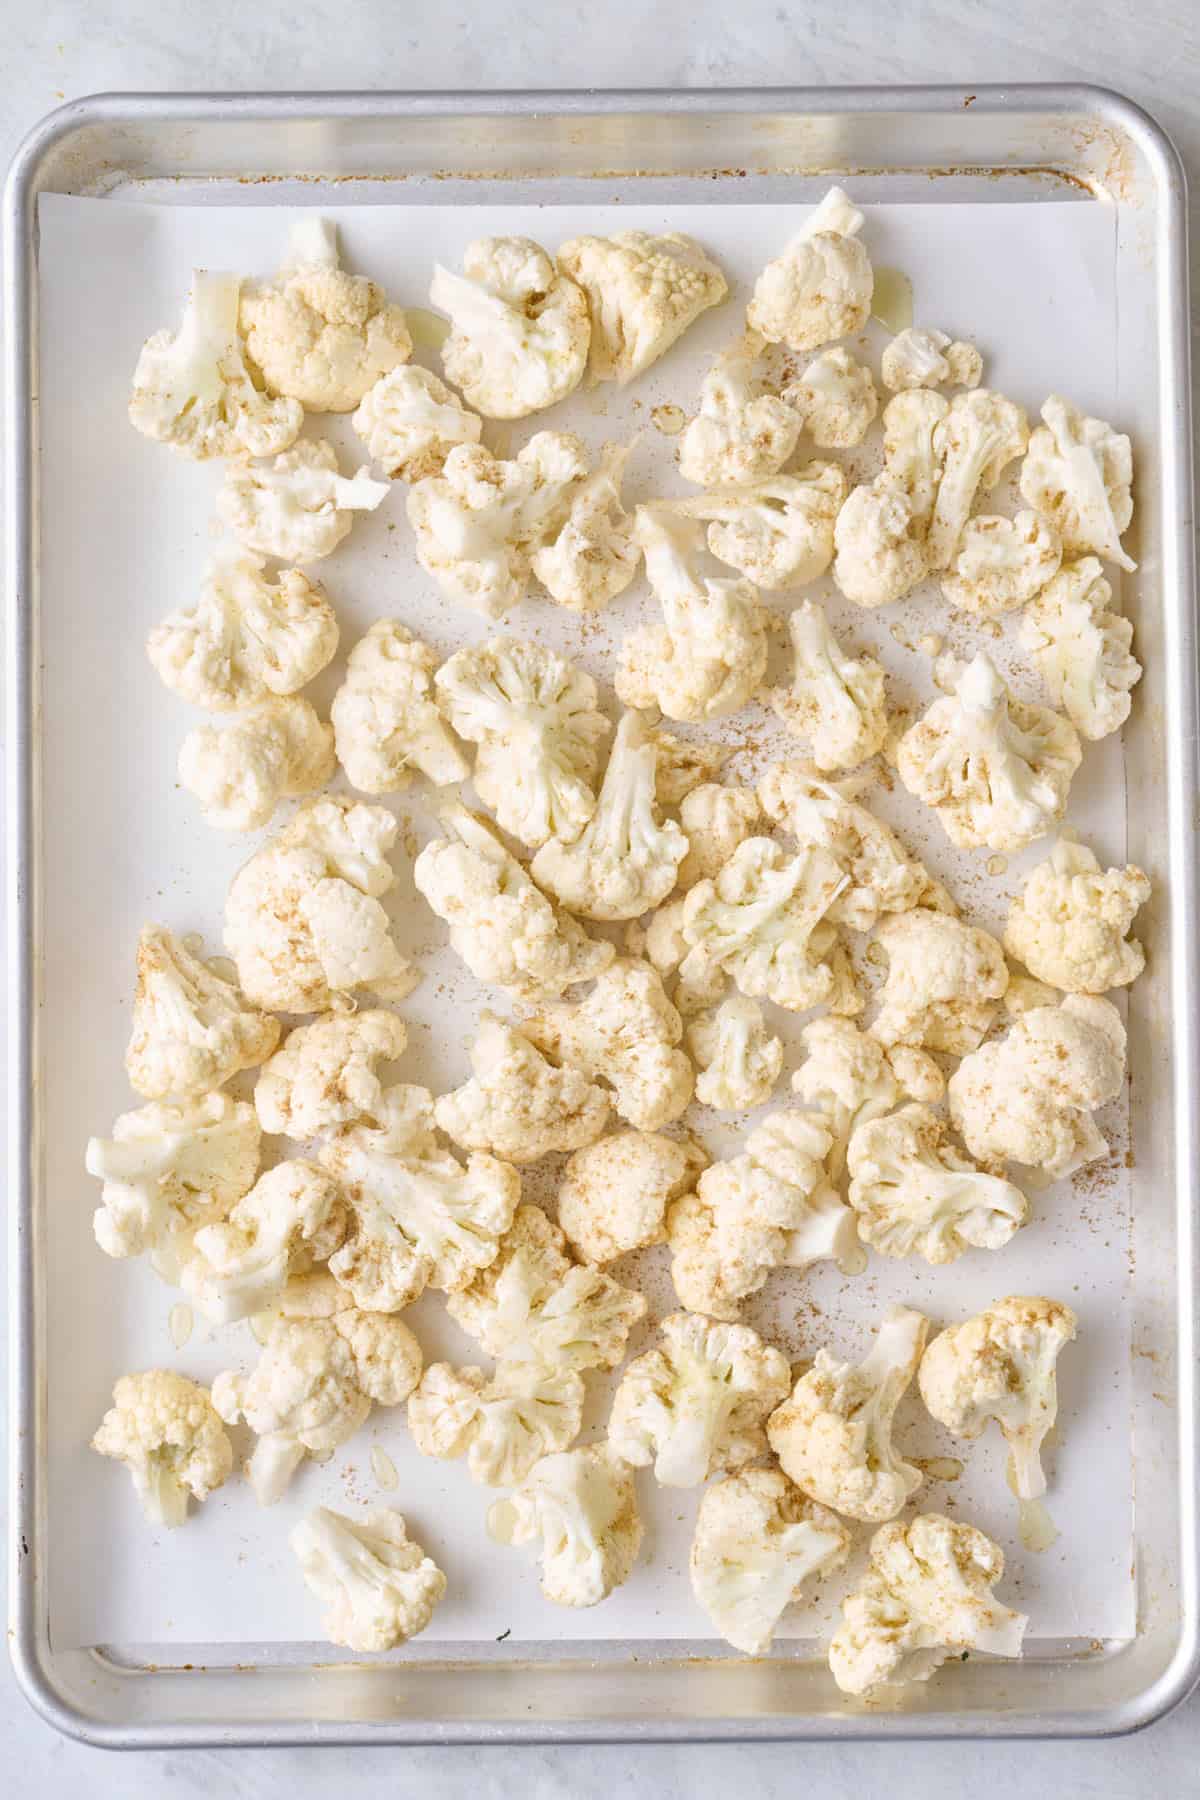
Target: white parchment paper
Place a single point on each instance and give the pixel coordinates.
(125, 533)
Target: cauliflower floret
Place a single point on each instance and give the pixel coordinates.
(165, 1430)
(778, 533)
(1001, 563)
(820, 287)
(614, 1194)
(534, 718)
(715, 821)
(1069, 923)
(833, 1436)
(379, 1587)
(741, 433)
(849, 1078)
(594, 556)
(624, 1033)
(280, 750)
(385, 716)
(980, 435)
(916, 1195)
(996, 770)
(167, 1169)
(758, 1542)
(192, 1029)
(879, 550)
(835, 398)
(1078, 472)
(835, 700)
(503, 927)
(325, 1074)
(927, 359)
(695, 1406)
(292, 1217)
(914, 449)
(298, 507)
(943, 983)
(624, 861)
(1028, 1097)
(1001, 1365)
(581, 1506)
(738, 1059)
(882, 876)
(518, 1105)
(410, 421)
(683, 763)
(1024, 994)
(245, 639)
(420, 1218)
(193, 391)
(519, 327)
(927, 1595)
(770, 1207)
(501, 1424)
(1082, 649)
(643, 292)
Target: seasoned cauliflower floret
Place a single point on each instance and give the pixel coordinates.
(518, 1105)
(833, 1436)
(239, 774)
(325, 1075)
(165, 1430)
(879, 549)
(927, 1595)
(1029, 1097)
(499, 1424)
(594, 556)
(694, 1406)
(927, 359)
(643, 292)
(292, 1217)
(298, 507)
(683, 763)
(820, 287)
(386, 718)
(715, 821)
(742, 433)
(1001, 563)
(519, 327)
(581, 1507)
(996, 770)
(625, 1033)
(914, 450)
(1078, 472)
(1082, 649)
(944, 981)
(778, 533)
(410, 421)
(614, 1194)
(835, 701)
(835, 398)
(916, 1195)
(379, 1587)
(1070, 922)
(758, 1542)
(738, 1059)
(192, 1030)
(848, 1078)
(980, 435)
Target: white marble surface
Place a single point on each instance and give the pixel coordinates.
(62, 49)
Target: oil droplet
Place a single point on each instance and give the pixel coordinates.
(428, 330)
(996, 865)
(383, 1468)
(892, 300)
(941, 1468)
(179, 1323)
(670, 420)
(1037, 1529)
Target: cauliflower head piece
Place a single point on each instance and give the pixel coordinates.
(520, 329)
(715, 821)
(1079, 472)
(643, 291)
(914, 450)
(1082, 649)
(518, 1105)
(594, 556)
(777, 532)
(1069, 924)
(836, 399)
(738, 1059)
(820, 287)
(240, 773)
(293, 1216)
(192, 1030)
(1001, 563)
(836, 701)
(297, 507)
(614, 1193)
(879, 547)
(326, 1074)
(916, 1195)
(166, 1431)
(501, 1424)
(979, 436)
(847, 1078)
(741, 433)
(625, 1033)
(580, 1506)
(916, 358)
(410, 421)
(387, 720)
(944, 982)
(379, 1588)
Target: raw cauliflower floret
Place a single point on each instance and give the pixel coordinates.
(879, 549)
(322, 1367)
(643, 292)
(683, 763)
(914, 450)
(594, 555)
(325, 1075)
(386, 718)
(778, 533)
(1078, 472)
(538, 731)
(624, 861)
(980, 435)
(192, 1030)
(996, 770)
(927, 359)
(710, 652)
(379, 1587)
(420, 1218)
(1001, 1365)
(292, 1217)
(758, 1542)
(916, 1195)
(835, 701)
(820, 287)
(410, 421)
(322, 336)
(246, 639)
(626, 1033)
(298, 507)
(1082, 649)
(695, 1405)
(1070, 922)
(165, 1430)
(836, 399)
(167, 1169)
(581, 1507)
(1028, 1097)
(741, 433)
(614, 1194)
(504, 928)
(849, 1078)
(738, 1059)
(193, 391)
(943, 985)
(519, 327)
(1001, 563)
(927, 1595)
(499, 1424)
(767, 1208)
(518, 1105)
(833, 1436)
(239, 774)
(1024, 994)
(715, 821)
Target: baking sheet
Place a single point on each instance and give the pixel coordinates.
(126, 529)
